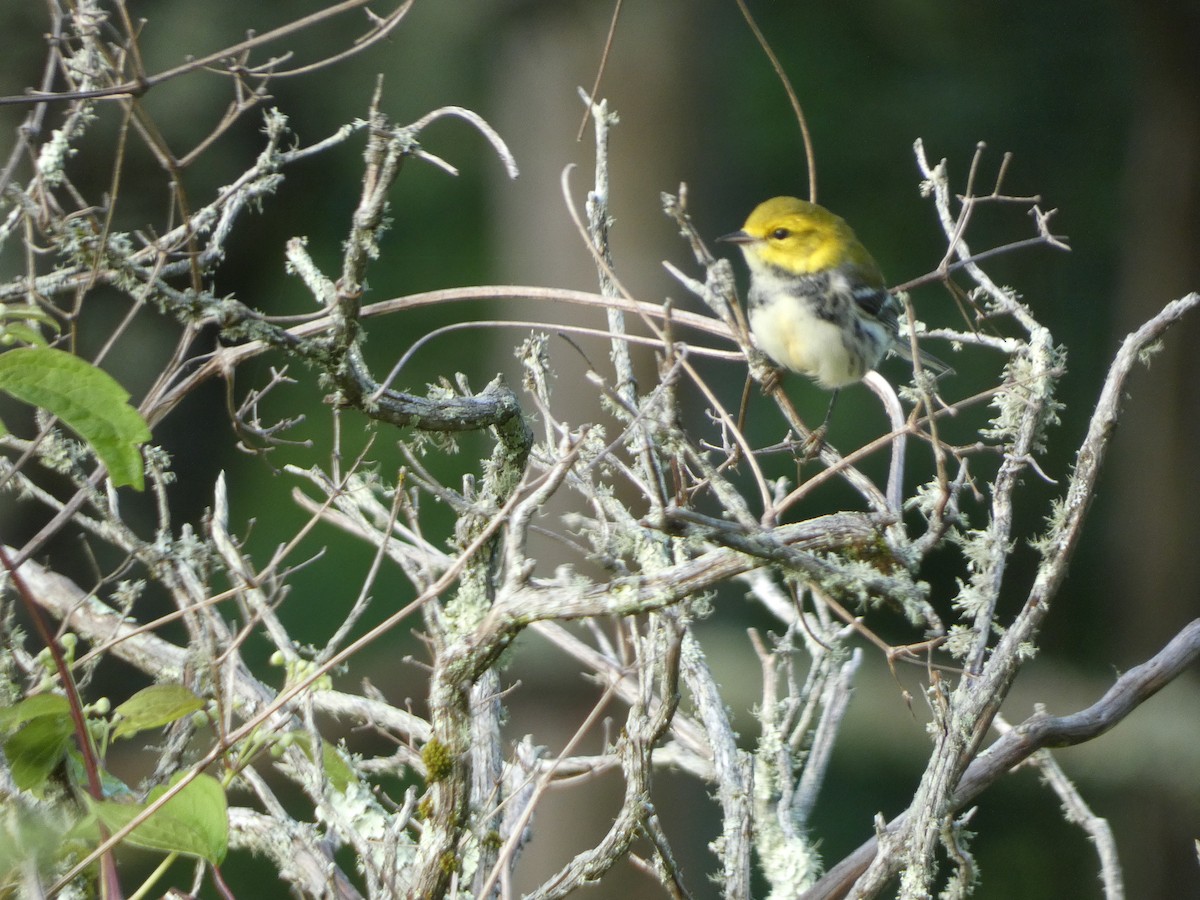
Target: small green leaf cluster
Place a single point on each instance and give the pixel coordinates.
(38, 735)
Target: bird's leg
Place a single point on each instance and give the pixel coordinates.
(817, 437)
(771, 380)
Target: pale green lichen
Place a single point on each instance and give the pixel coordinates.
(788, 859)
(1056, 521)
(960, 640)
(1029, 384)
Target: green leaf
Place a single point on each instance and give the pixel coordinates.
(339, 773)
(18, 331)
(11, 313)
(19, 324)
(32, 707)
(195, 822)
(153, 707)
(89, 400)
(35, 750)
(337, 770)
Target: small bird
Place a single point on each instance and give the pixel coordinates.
(818, 303)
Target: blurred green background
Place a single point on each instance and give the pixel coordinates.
(1100, 104)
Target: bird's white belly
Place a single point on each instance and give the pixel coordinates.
(788, 332)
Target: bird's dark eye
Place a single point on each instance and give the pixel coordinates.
(780, 234)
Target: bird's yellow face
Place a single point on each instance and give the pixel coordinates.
(795, 236)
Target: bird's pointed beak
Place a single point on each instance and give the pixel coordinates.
(737, 237)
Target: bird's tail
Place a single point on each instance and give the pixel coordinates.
(928, 360)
